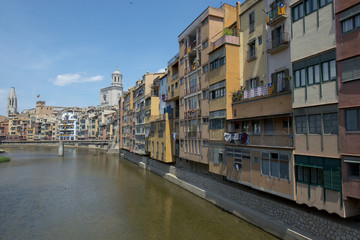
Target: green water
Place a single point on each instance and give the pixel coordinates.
(89, 195)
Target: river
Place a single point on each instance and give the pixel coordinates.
(87, 194)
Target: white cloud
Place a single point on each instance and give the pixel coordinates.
(161, 70)
(66, 79)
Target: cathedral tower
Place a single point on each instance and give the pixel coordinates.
(12, 103)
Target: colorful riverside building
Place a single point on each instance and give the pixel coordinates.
(159, 125)
(142, 92)
(347, 17)
(69, 126)
(255, 93)
(259, 144)
(127, 116)
(315, 102)
(194, 47)
(173, 103)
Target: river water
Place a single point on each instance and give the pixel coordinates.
(89, 195)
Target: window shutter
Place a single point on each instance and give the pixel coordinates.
(347, 68)
(287, 80)
(356, 68)
(247, 84)
(257, 81)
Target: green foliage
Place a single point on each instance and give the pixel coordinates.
(4, 159)
(228, 31)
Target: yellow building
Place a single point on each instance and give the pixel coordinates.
(160, 138)
(224, 75)
(173, 103)
(194, 64)
(127, 115)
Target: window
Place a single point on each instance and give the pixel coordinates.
(315, 124)
(269, 126)
(259, 40)
(217, 123)
(350, 24)
(329, 70)
(353, 170)
(298, 12)
(205, 94)
(181, 61)
(252, 50)
(217, 63)
(265, 168)
(205, 44)
(310, 6)
(217, 93)
(252, 21)
(257, 127)
(176, 85)
(299, 78)
(182, 102)
(352, 117)
(300, 124)
(252, 83)
(205, 69)
(325, 172)
(324, 2)
(330, 123)
(350, 69)
(182, 80)
(245, 125)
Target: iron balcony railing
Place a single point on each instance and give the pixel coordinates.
(276, 14)
(280, 85)
(278, 41)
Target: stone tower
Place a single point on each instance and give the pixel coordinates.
(109, 96)
(116, 79)
(12, 103)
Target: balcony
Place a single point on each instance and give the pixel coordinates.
(192, 46)
(276, 15)
(275, 139)
(268, 89)
(174, 59)
(230, 37)
(192, 89)
(278, 42)
(192, 113)
(174, 76)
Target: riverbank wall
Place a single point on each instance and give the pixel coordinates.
(280, 217)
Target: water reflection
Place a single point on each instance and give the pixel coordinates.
(88, 195)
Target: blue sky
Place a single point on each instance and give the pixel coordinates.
(66, 50)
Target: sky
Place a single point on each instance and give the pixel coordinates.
(66, 50)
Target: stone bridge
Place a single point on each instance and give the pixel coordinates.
(89, 143)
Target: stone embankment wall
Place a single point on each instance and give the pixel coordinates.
(282, 219)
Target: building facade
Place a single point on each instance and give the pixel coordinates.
(347, 17)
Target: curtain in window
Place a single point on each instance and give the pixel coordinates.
(357, 21)
(347, 25)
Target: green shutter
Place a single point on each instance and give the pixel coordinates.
(332, 174)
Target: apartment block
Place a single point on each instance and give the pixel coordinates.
(194, 47)
(159, 134)
(347, 17)
(127, 123)
(173, 103)
(142, 91)
(258, 137)
(315, 103)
